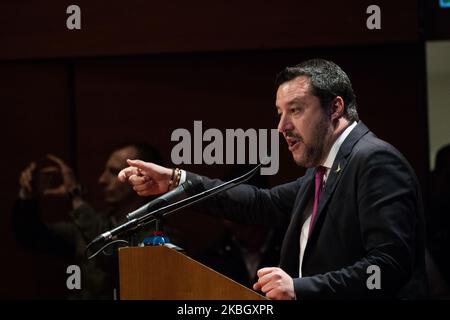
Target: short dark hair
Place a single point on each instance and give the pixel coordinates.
(327, 81)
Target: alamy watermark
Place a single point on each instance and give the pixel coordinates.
(74, 279)
(221, 147)
(73, 22)
(373, 22)
(374, 280)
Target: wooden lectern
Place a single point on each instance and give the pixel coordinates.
(160, 273)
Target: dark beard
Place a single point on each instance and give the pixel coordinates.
(314, 150)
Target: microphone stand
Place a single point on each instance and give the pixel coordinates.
(171, 208)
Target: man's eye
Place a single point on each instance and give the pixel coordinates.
(296, 110)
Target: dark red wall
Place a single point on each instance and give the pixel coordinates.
(34, 99)
(140, 71)
(36, 30)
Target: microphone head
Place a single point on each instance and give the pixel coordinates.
(184, 190)
(266, 160)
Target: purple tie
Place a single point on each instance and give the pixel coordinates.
(320, 171)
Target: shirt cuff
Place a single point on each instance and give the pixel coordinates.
(183, 177)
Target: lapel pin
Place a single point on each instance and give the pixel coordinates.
(338, 168)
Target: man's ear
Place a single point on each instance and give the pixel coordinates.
(337, 108)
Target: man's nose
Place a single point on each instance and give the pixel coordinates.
(284, 124)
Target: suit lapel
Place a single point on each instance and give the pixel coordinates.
(304, 196)
(332, 181)
(336, 172)
(291, 243)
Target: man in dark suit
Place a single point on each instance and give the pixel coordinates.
(355, 219)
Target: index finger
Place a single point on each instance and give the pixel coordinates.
(124, 174)
(139, 164)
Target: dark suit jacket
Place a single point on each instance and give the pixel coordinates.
(370, 213)
(227, 258)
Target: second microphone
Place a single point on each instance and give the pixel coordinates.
(184, 190)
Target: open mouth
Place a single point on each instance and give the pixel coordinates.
(292, 143)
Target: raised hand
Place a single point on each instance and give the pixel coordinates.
(146, 178)
(69, 181)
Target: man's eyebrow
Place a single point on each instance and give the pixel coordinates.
(296, 100)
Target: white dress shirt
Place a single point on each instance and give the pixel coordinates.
(304, 233)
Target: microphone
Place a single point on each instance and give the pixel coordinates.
(184, 190)
(143, 217)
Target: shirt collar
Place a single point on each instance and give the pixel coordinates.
(336, 145)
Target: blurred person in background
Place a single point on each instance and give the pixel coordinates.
(99, 276)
